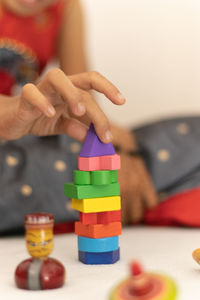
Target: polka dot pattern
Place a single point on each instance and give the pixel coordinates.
(12, 161)
(39, 167)
(26, 190)
(75, 147)
(182, 128)
(69, 206)
(60, 165)
(163, 155)
(35, 170)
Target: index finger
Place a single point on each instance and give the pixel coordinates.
(94, 80)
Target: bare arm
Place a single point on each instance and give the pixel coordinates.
(71, 52)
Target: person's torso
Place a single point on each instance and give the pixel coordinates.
(26, 45)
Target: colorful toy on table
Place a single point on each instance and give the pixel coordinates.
(39, 272)
(144, 286)
(95, 194)
(196, 255)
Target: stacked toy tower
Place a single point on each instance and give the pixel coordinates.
(96, 195)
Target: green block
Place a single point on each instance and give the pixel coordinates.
(95, 177)
(114, 175)
(91, 191)
(82, 177)
(98, 178)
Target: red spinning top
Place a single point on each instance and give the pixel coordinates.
(144, 286)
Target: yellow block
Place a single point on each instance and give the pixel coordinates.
(91, 205)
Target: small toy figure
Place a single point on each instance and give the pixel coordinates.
(39, 272)
(144, 286)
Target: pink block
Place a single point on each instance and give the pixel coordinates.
(88, 163)
(110, 162)
(107, 162)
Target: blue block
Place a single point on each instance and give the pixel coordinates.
(98, 245)
(99, 258)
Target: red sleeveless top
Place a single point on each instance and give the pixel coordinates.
(26, 45)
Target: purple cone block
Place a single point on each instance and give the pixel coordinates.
(94, 147)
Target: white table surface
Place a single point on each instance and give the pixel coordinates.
(166, 250)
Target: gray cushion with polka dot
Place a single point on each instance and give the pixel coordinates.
(33, 172)
(171, 149)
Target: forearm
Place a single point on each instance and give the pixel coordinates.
(71, 48)
(137, 191)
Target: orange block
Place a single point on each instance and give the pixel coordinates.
(98, 231)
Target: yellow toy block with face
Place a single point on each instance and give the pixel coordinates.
(91, 205)
(39, 236)
(39, 243)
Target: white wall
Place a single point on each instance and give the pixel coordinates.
(151, 50)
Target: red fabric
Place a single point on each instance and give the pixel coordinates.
(7, 81)
(33, 38)
(65, 227)
(180, 209)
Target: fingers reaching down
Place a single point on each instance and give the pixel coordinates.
(97, 116)
(72, 128)
(95, 81)
(56, 84)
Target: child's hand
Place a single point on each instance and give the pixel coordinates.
(137, 191)
(58, 104)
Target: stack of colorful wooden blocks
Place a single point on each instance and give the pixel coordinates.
(96, 195)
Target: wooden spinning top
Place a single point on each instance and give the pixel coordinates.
(196, 255)
(144, 286)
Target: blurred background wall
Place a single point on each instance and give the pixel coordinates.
(151, 50)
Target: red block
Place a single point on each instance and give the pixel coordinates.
(100, 218)
(88, 218)
(109, 216)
